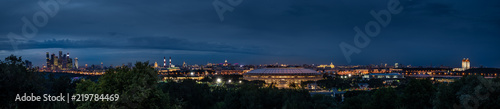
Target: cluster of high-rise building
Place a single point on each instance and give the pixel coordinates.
(60, 62)
(465, 65)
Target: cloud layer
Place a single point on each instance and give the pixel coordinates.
(292, 31)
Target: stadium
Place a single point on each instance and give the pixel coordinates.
(282, 77)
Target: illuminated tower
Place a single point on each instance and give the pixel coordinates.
(63, 62)
(56, 63)
(184, 64)
(164, 62)
(156, 65)
(465, 63)
(225, 63)
(60, 62)
(102, 65)
(60, 54)
(48, 60)
(76, 62)
(169, 61)
(68, 61)
(53, 61)
(468, 63)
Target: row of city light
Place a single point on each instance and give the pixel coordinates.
(448, 74)
(229, 81)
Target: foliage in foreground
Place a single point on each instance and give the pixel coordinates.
(137, 88)
(468, 92)
(191, 95)
(17, 79)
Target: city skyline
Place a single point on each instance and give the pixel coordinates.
(250, 54)
(425, 32)
(64, 59)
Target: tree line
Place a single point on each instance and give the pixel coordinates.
(469, 92)
(139, 87)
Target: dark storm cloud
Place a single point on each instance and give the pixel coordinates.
(159, 43)
(430, 8)
(481, 10)
(307, 31)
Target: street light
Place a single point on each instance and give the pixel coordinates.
(218, 80)
(240, 81)
(192, 73)
(229, 81)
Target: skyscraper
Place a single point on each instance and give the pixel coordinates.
(69, 62)
(48, 60)
(60, 54)
(225, 63)
(465, 63)
(53, 62)
(76, 62)
(56, 63)
(64, 61)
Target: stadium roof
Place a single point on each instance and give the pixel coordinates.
(384, 74)
(282, 71)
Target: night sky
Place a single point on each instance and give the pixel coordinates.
(425, 32)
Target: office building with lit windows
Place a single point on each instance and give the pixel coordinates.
(465, 64)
